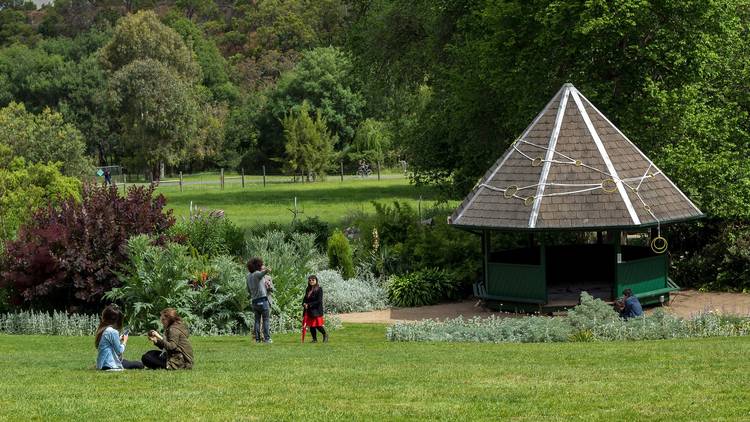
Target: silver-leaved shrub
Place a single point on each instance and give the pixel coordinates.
(592, 320)
(56, 323)
(352, 295)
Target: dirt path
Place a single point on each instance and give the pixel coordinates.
(683, 304)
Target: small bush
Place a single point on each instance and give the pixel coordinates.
(426, 287)
(55, 323)
(155, 278)
(656, 326)
(210, 234)
(340, 254)
(352, 295)
(291, 259)
(68, 256)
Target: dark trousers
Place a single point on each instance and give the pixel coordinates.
(154, 359)
(262, 312)
(127, 364)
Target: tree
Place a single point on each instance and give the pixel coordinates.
(309, 143)
(152, 87)
(158, 113)
(666, 73)
(141, 37)
(44, 138)
(25, 187)
(372, 141)
(323, 79)
(212, 64)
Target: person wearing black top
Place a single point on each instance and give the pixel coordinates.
(312, 305)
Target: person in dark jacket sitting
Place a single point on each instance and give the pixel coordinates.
(177, 352)
(312, 305)
(631, 306)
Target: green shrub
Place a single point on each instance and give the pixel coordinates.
(425, 287)
(395, 240)
(351, 295)
(291, 261)
(156, 277)
(55, 323)
(222, 301)
(210, 234)
(340, 254)
(589, 321)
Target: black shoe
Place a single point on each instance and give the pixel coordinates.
(314, 341)
(325, 338)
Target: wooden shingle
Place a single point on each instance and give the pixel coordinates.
(572, 168)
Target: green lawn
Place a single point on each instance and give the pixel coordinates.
(361, 376)
(330, 200)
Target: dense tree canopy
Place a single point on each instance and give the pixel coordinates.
(43, 138)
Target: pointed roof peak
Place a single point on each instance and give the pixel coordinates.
(572, 168)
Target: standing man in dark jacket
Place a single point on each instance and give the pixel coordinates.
(258, 290)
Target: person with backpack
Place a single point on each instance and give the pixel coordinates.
(259, 289)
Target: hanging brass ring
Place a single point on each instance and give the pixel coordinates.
(609, 185)
(659, 244)
(579, 163)
(510, 191)
(528, 201)
(536, 162)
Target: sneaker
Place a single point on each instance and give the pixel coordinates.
(314, 341)
(268, 341)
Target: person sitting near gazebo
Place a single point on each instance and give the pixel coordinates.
(629, 306)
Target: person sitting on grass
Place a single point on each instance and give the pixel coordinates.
(630, 306)
(312, 313)
(110, 344)
(177, 352)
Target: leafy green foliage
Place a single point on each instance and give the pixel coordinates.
(323, 78)
(340, 254)
(154, 278)
(159, 112)
(142, 36)
(66, 257)
(360, 294)
(210, 234)
(420, 288)
(309, 143)
(292, 258)
(44, 138)
(395, 241)
(25, 188)
(578, 327)
(711, 254)
(52, 323)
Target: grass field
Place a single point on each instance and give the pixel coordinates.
(330, 200)
(361, 376)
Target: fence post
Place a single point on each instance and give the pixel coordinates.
(264, 176)
(243, 177)
(180, 181)
(342, 170)
(378, 171)
(222, 179)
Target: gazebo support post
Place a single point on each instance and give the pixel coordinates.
(486, 255)
(599, 237)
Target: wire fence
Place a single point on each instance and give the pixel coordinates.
(222, 179)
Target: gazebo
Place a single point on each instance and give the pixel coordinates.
(572, 169)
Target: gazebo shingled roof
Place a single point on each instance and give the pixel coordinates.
(573, 169)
